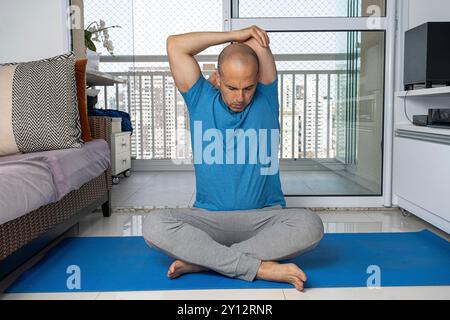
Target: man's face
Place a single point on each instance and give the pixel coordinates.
(237, 84)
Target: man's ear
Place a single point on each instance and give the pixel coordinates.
(258, 77)
(217, 77)
(214, 79)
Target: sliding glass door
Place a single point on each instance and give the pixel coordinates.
(331, 71)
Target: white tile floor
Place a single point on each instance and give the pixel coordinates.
(150, 189)
(320, 182)
(144, 190)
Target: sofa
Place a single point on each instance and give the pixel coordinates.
(28, 233)
(55, 160)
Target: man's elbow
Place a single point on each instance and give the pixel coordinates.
(169, 43)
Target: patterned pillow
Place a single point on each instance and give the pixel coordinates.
(38, 106)
(58, 57)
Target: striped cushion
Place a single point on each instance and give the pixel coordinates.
(38, 106)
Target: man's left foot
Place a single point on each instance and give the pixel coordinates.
(180, 267)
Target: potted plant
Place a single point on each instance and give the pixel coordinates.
(97, 32)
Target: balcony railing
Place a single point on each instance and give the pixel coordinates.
(312, 109)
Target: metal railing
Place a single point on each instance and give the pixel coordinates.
(312, 111)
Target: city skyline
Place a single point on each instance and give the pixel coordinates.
(159, 134)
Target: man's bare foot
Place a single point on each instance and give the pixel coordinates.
(179, 267)
(289, 272)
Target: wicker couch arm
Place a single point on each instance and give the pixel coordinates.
(101, 128)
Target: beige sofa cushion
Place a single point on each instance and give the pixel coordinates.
(38, 104)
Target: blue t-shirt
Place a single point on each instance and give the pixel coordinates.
(235, 154)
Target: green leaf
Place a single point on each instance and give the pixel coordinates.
(90, 45)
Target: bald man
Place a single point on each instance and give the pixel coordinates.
(239, 226)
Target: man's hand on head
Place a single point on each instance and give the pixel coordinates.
(253, 32)
(267, 69)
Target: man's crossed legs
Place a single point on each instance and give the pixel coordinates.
(242, 244)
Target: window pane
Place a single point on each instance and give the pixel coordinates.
(147, 24)
(308, 8)
(155, 20)
(157, 110)
(331, 109)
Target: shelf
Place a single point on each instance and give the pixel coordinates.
(424, 92)
(435, 135)
(411, 127)
(98, 78)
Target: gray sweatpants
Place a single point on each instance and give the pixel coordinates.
(233, 243)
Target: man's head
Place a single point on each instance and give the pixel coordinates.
(238, 73)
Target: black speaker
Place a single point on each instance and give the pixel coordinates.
(427, 55)
(439, 117)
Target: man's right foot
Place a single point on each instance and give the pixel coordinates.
(180, 267)
(289, 272)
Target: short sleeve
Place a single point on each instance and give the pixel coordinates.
(270, 91)
(192, 97)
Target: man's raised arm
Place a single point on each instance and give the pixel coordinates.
(267, 66)
(182, 48)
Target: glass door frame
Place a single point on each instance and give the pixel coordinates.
(388, 24)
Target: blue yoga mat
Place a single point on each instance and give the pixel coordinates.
(340, 260)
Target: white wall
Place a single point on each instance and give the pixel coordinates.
(32, 30)
(421, 11)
